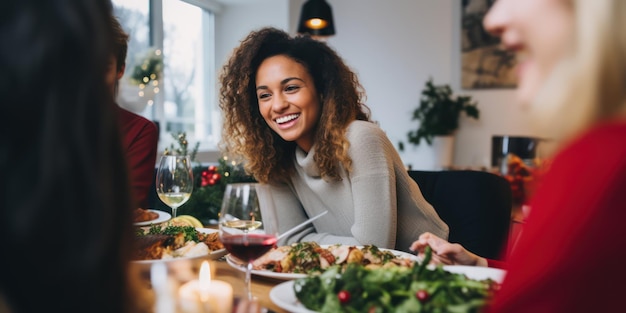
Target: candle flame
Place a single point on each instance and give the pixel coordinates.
(204, 280)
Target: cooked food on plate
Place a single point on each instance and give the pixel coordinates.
(144, 215)
(173, 242)
(310, 257)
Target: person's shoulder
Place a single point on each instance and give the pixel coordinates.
(366, 134)
(598, 152)
(127, 116)
(364, 128)
(600, 138)
(609, 131)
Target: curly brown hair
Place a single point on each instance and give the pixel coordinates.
(268, 157)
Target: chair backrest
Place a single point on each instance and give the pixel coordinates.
(475, 205)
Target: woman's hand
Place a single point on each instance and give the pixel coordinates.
(446, 253)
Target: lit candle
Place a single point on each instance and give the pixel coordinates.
(205, 294)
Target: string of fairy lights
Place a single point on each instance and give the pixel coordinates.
(147, 74)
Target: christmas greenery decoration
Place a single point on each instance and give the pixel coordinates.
(149, 69)
(209, 182)
(209, 185)
(181, 140)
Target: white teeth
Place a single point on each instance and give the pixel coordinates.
(287, 118)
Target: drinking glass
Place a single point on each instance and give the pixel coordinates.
(174, 180)
(248, 225)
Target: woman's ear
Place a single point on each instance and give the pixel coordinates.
(120, 73)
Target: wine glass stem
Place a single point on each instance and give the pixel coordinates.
(174, 212)
(248, 280)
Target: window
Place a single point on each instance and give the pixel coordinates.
(182, 99)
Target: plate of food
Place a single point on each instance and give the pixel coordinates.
(146, 217)
(280, 263)
(478, 282)
(172, 243)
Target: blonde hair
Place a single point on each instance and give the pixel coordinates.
(589, 85)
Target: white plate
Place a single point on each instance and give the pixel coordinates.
(163, 217)
(289, 276)
(212, 255)
(283, 296)
(477, 272)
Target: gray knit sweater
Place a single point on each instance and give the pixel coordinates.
(376, 203)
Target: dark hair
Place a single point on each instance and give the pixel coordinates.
(245, 132)
(65, 217)
(120, 43)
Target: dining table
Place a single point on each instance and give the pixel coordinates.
(181, 272)
(261, 286)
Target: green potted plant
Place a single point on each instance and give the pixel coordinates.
(438, 114)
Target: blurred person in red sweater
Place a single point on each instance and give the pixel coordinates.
(139, 135)
(572, 78)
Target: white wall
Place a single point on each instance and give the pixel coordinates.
(395, 46)
(237, 20)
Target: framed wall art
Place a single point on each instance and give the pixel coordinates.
(484, 63)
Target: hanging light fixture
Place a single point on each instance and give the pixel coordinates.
(316, 18)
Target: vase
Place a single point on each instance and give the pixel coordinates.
(443, 152)
(434, 157)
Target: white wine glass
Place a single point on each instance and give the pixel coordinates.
(248, 225)
(174, 180)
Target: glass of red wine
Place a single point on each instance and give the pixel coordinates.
(248, 225)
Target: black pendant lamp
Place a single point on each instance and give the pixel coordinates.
(316, 18)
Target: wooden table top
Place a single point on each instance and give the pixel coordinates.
(261, 286)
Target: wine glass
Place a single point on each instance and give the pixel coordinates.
(248, 225)
(174, 180)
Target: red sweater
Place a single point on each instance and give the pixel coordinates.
(570, 257)
(140, 140)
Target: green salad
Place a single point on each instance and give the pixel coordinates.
(398, 289)
(190, 232)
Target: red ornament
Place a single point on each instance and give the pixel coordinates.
(210, 176)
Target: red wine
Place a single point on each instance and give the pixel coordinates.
(248, 247)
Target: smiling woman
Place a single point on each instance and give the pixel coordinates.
(290, 106)
(293, 112)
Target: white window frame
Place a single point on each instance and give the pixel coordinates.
(207, 150)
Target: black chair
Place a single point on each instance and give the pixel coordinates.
(475, 205)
